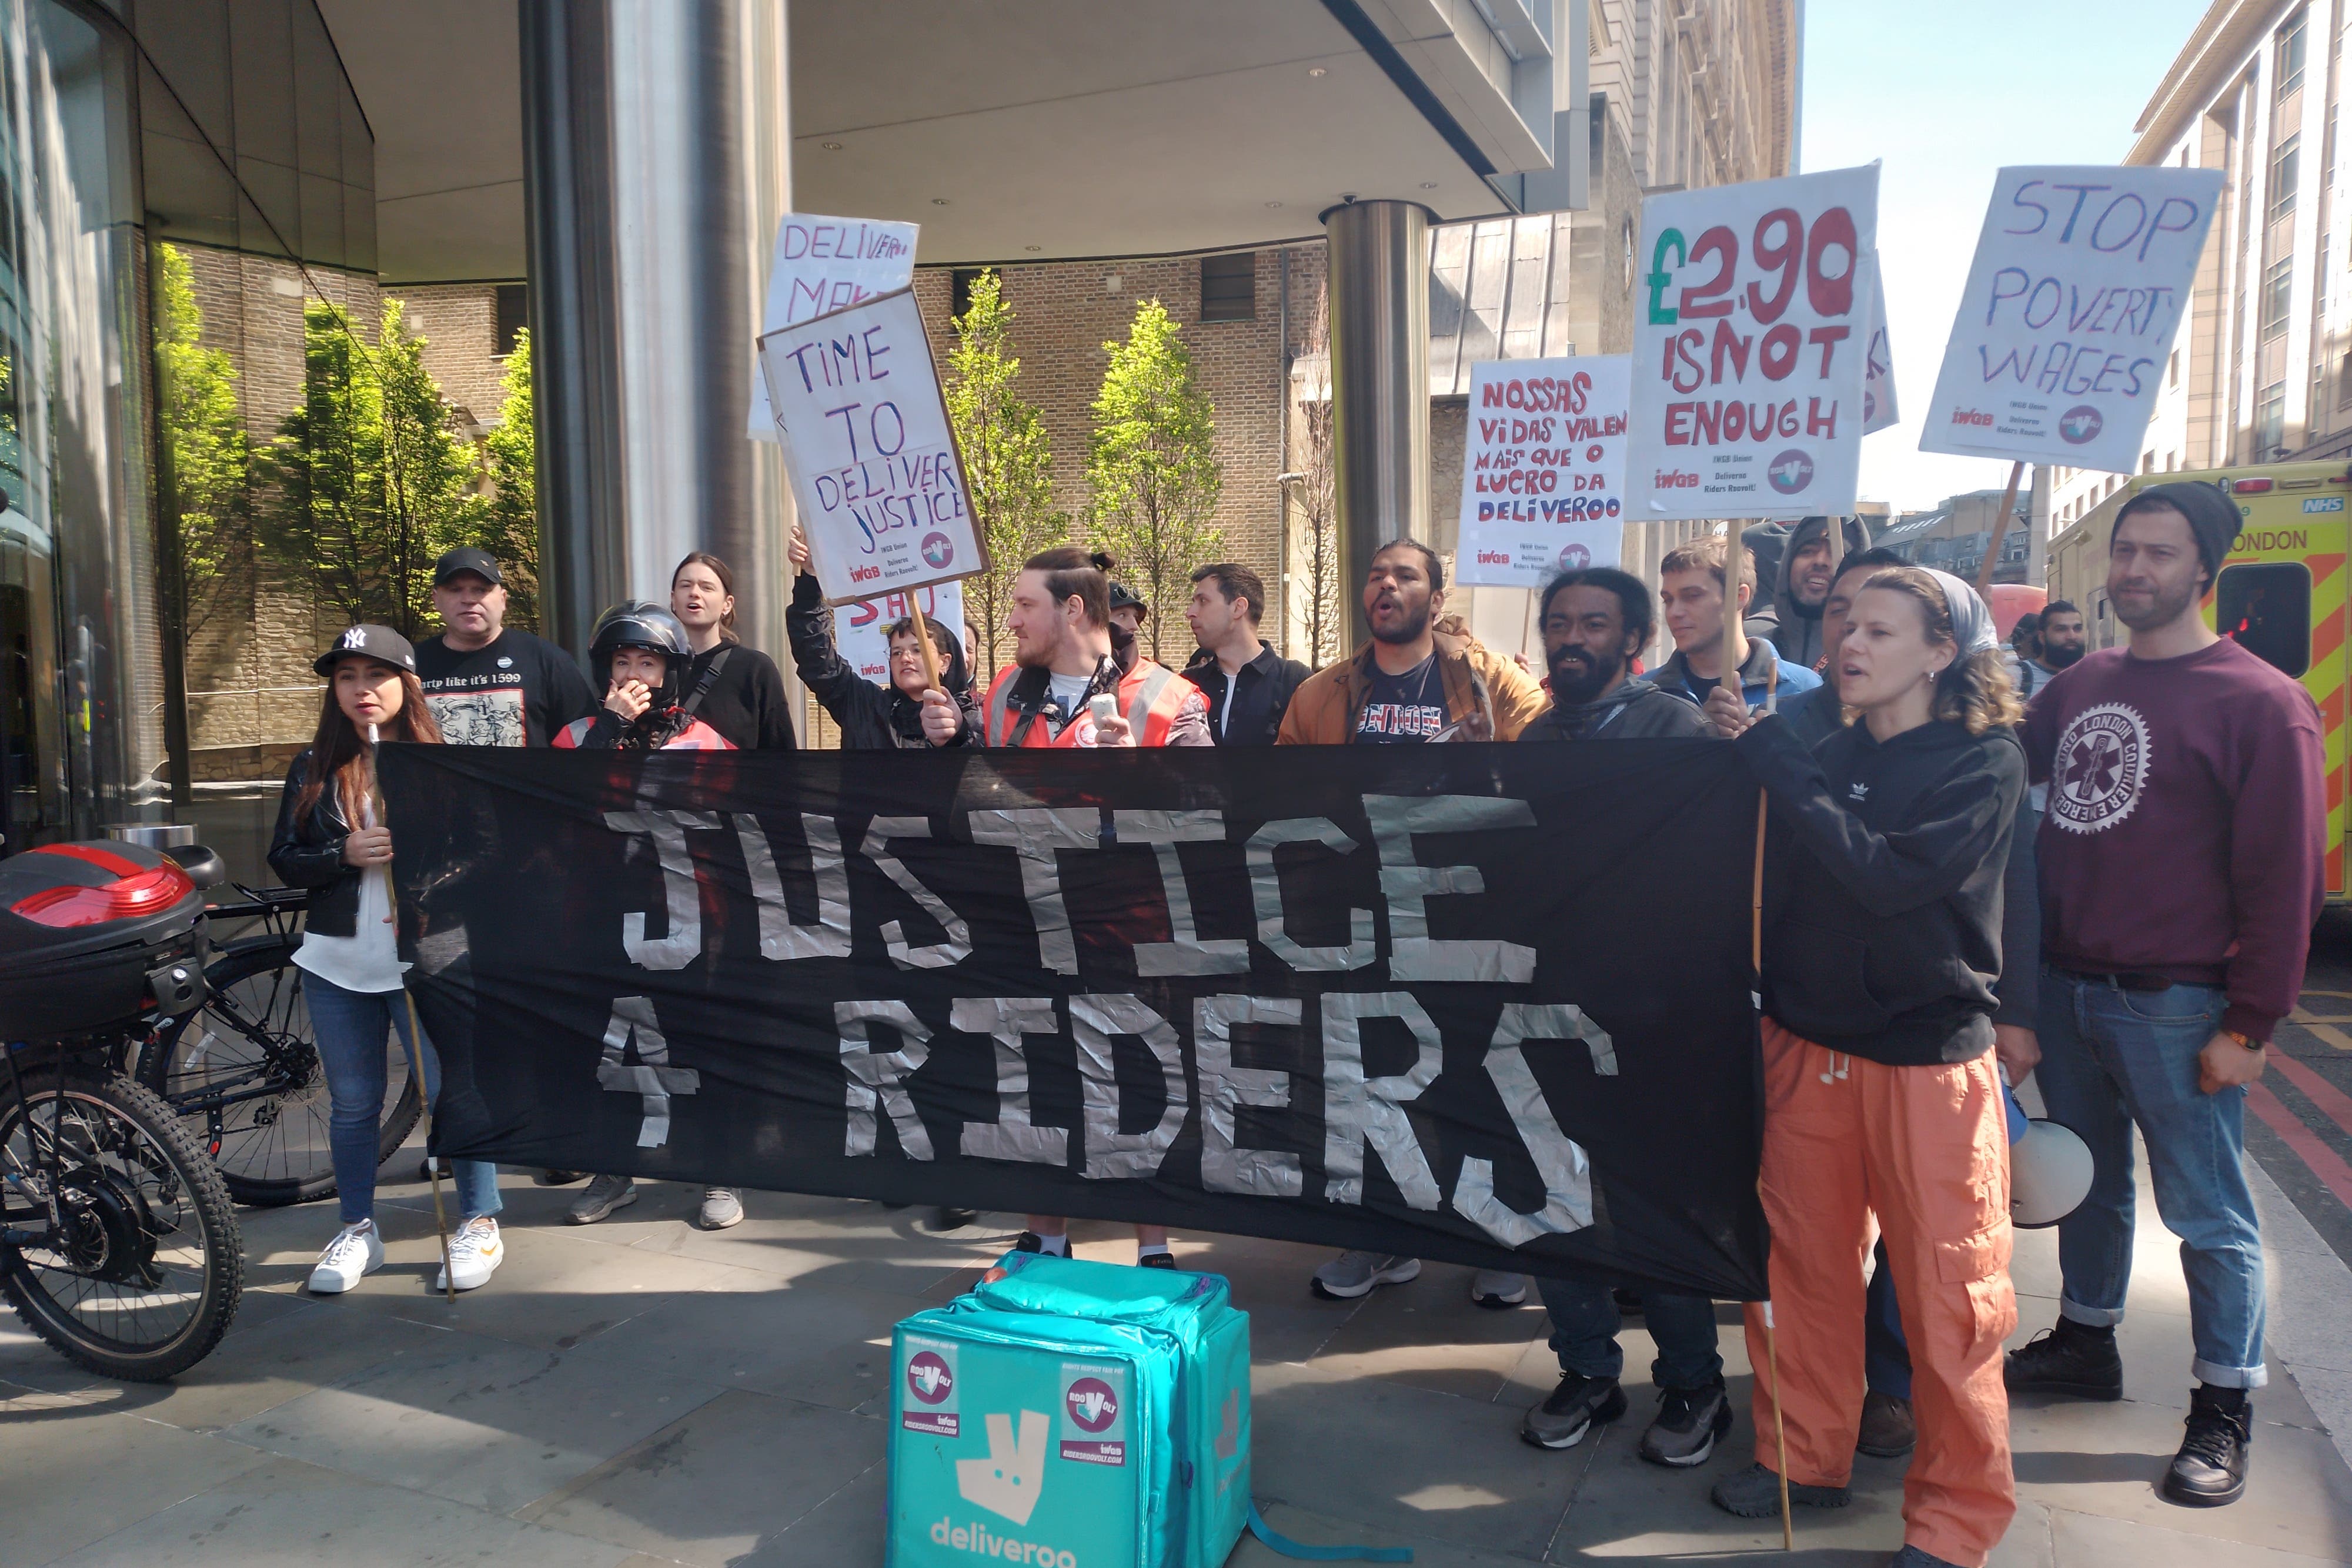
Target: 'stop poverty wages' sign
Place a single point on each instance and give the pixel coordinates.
(1750, 324)
(883, 499)
(2081, 278)
(821, 266)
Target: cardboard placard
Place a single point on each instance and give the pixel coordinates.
(1543, 479)
(858, 627)
(2082, 276)
(1751, 327)
(821, 265)
(884, 504)
(1878, 407)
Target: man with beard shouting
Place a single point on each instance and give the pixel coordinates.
(1418, 679)
(1594, 621)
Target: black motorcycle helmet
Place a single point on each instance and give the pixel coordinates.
(637, 623)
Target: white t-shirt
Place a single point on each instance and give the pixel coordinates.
(368, 960)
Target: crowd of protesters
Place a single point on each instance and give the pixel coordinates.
(1985, 860)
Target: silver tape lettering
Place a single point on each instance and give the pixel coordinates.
(1567, 1173)
(1357, 1109)
(1260, 1173)
(1110, 1152)
(1265, 896)
(1012, 1136)
(680, 898)
(1406, 883)
(1186, 954)
(651, 1077)
(1037, 834)
(780, 938)
(882, 1078)
(876, 847)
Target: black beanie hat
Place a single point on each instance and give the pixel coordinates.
(2212, 517)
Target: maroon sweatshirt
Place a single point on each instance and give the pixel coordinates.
(2186, 821)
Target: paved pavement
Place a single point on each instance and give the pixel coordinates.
(639, 1393)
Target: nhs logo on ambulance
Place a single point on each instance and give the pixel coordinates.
(2323, 504)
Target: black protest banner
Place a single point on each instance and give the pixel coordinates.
(1480, 1003)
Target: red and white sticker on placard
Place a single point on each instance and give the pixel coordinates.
(1751, 329)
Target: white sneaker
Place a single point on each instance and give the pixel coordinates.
(1492, 1288)
(475, 1254)
(1353, 1274)
(720, 1209)
(356, 1252)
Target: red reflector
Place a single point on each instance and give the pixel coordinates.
(141, 893)
(2249, 486)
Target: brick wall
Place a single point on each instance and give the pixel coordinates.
(458, 323)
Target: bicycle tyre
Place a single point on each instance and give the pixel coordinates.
(223, 1284)
(164, 1067)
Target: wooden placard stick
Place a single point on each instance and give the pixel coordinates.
(2000, 532)
(923, 639)
(1735, 636)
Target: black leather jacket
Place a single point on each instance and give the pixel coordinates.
(310, 854)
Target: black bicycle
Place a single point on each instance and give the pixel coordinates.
(118, 1243)
(242, 1071)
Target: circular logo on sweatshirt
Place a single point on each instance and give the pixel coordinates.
(2099, 768)
(1093, 1405)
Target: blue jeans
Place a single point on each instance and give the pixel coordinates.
(1886, 1353)
(2110, 1058)
(1584, 1322)
(351, 1027)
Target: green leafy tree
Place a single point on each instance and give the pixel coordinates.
(513, 535)
(1152, 466)
(373, 478)
(211, 457)
(1005, 459)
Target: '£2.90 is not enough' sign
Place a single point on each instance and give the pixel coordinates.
(1751, 318)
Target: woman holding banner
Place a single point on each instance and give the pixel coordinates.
(330, 839)
(1882, 950)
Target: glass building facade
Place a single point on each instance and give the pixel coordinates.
(188, 228)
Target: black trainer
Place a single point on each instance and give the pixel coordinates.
(1690, 1422)
(2211, 1468)
(2070, 1358)
(1572, 1409)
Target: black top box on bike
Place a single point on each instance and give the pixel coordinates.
(92, 935)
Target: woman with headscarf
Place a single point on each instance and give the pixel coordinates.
(871, 717)
(1888, 844)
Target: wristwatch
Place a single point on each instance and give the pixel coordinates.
(2247, 1040)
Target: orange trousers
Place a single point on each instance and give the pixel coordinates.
(1926, 1150)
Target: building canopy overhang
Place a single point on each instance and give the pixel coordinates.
(1042, 130)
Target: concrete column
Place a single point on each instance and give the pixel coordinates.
(1380, 384)
(657, 162)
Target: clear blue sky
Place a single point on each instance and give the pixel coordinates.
(1943, 95)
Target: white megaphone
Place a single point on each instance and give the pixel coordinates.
(2050, 1169)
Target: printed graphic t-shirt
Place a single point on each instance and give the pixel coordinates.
(519, 691)
(1402, 709)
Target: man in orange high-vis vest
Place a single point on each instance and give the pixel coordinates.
(1066, 653)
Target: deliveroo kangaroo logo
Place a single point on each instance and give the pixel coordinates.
(1008, 1481)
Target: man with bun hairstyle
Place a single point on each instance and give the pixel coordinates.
(2180, 850)
(1065, 652)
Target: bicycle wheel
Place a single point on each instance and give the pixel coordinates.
(143, 1275)
(242, 1073)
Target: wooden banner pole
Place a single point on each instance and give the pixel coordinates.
(2000, 532)
(1735, 637)
(923, 640)
(415, 1045)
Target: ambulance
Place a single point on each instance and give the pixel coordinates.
(2280, 592)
